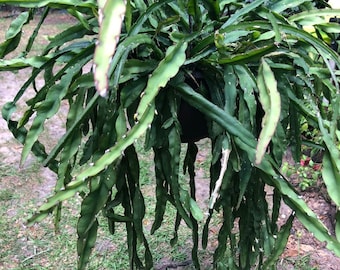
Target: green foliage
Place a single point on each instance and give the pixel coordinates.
(250, 68)
(306, 171)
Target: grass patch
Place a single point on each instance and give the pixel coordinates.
(6, 194)
(39, 247)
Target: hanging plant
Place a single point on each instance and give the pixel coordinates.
(241, 73)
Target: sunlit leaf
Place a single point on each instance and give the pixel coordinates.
(271, 103)
(111, 15)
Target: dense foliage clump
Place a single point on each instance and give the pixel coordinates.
(249, 72)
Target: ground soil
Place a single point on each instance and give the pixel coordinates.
(301, 242)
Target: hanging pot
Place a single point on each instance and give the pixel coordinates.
(193, 123)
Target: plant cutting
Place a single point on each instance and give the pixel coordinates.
(242, 73)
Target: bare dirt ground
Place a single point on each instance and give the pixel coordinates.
(301, 243)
